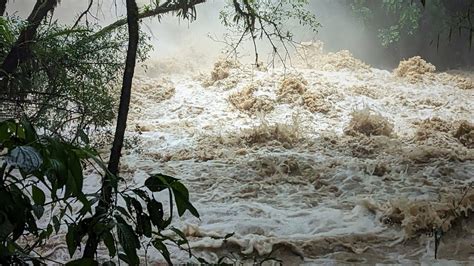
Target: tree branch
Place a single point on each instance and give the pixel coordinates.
(3, 6)
(19, 53)
(83, 14)
(169, 6)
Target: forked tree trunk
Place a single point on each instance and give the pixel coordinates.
(20, 50)
(106, 194)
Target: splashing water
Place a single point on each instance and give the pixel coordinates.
(290, 183)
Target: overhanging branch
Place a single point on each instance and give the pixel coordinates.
(184, 6)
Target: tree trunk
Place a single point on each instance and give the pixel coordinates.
(126, 86)
(20, 51)
(3, 6)
(106, 194)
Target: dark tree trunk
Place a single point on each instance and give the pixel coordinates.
(126, 86)
(21, 49)
(106, 196)
(3, 6)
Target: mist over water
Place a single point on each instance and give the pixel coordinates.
(340, 29)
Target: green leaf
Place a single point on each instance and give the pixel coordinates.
(38, 195)
(83, 136)
(181, 195)
(49, 230)
(20, 132)
(161, 247)
(123, 211)
(147, 229)
(123, 256)
(57, 224)
(30, 132)
(109, 243)
(182, 204)
(86, 204)
(128, 240)
(137, 205)
(159, 182)
(154, 184)
(155, 209)
(142, 194)
(38, 210)
(9, 129)
(75, 168)
(25, 157)
(71, 237)
(6, 30)
(143, 225)
(83, 262)
(4, 132)
(179, 188)
(36, 262)
(183, 237)
(71, 187)
(128, 203)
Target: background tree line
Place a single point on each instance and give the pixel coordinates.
(440, 31)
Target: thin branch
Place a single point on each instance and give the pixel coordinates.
(83, 14)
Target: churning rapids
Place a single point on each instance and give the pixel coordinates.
(326, 161)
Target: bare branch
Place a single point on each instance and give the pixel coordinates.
(263, 21)
(83, 14)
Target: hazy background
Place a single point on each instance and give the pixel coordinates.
(341, 29)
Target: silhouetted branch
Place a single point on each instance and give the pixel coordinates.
(185, 7)
(83, 14)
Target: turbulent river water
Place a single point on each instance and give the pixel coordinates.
(329, 161)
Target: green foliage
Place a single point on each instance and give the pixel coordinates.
(401, 19)
(40, 173)
(142, 219)
(36, 172)
(71, 80)
(7, 37)
(398, 18)
(408, 20)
